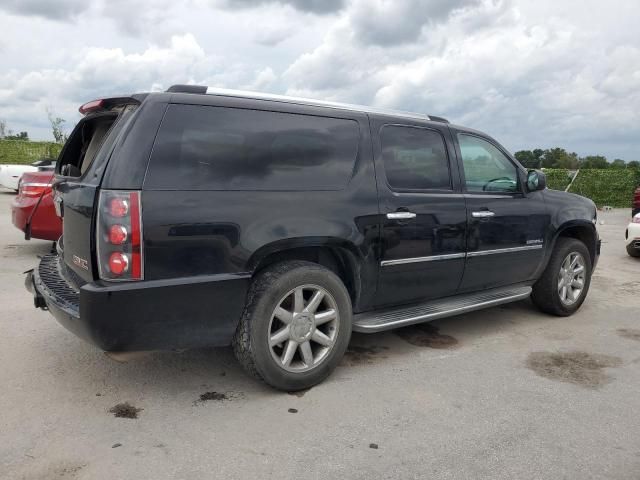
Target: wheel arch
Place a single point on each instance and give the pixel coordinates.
(337, 255)
(583, 231)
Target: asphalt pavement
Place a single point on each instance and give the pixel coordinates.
(504, 393)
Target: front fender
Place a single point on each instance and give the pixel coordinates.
(571, 215)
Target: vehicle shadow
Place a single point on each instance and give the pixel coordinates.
(215, 369)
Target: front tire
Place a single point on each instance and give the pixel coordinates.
(565, 282)
(296, 325)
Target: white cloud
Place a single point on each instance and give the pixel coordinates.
(263, 81)
(386, 22)
(58, 10)
(530, 73)
(486, 66)
(270, 36)
(311, 6)
(96, 72)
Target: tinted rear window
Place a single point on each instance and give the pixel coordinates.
(216, 148)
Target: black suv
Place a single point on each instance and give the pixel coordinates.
(199, 217)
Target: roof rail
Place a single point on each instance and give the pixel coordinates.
(223, 92)
(198, 89)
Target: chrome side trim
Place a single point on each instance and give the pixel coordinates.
(431, 258)
(481, 253)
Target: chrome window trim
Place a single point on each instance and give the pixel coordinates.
(451, 256)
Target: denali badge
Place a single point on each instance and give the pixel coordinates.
(81, 262)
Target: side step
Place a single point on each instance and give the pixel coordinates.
(377, 321)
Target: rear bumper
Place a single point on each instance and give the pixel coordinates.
(632, 235)
(150, 315)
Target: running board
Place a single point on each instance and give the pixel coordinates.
(377, 321)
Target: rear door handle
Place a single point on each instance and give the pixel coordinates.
(482, 214)
(400, 215)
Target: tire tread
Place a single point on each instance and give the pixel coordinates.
(263, 282)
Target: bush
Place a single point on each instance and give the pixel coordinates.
(557, 178)
(612, 187)
(24, 152)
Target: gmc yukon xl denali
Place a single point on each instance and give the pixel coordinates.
(201, 217)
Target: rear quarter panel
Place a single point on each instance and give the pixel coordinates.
(192, 233)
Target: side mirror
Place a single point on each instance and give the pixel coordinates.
(536, 180)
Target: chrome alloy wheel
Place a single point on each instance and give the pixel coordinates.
(303, 328)
(571, 278)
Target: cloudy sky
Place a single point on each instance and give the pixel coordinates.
(531, 73)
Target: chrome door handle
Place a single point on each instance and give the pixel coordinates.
(482, 214)
(400, 215)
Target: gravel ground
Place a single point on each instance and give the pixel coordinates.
(503, 393)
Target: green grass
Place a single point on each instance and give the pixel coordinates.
(20, 152)
(613, 187)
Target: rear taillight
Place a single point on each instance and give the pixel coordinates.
(119, 235)
(33, 189)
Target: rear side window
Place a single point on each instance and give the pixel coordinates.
(217, 148)
(414, 158)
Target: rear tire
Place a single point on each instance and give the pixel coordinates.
(632, 251)
(563, 286)
(285, 337)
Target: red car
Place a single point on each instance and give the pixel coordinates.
(32, 211)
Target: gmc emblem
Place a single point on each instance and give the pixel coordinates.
(81, 262)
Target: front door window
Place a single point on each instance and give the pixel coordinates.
(486, 168)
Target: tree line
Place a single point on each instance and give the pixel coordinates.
(7, 134)
(57, 129)
(560, 158)
(537, 158)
